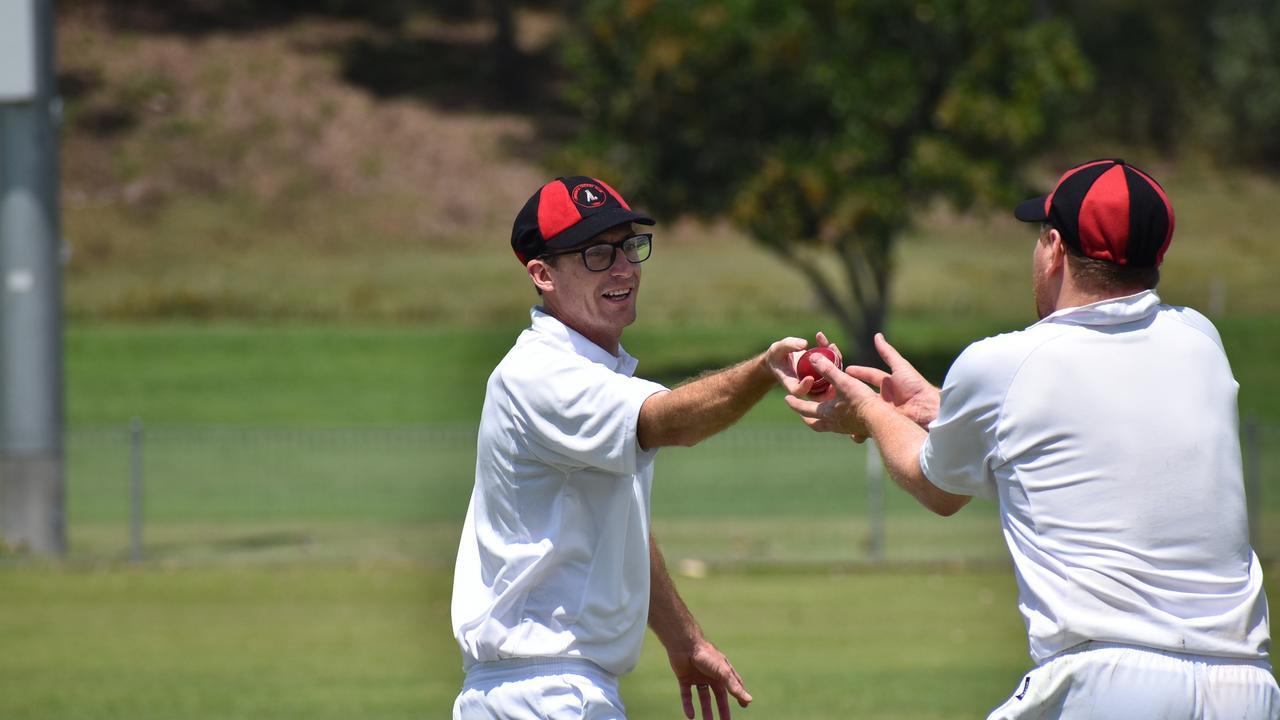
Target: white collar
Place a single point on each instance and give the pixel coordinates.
(550, 326)
(1111, 311)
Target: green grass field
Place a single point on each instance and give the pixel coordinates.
(342, 375)
(305, 487)
(370, 639)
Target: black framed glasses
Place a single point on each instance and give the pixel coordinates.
(600, 257)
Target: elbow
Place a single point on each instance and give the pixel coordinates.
(949, 505)
(688, 438)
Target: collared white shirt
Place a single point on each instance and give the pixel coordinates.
(1109, 435)
(554, 555)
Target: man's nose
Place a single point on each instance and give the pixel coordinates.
(622, 267)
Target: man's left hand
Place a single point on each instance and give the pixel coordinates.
(707, 669)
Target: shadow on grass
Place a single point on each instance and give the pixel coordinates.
(250, 542)
(196, 18)
(449, 74)
(457, 55)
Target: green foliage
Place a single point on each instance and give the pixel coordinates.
(821, 127)
(1247, 69)
(1152, 69)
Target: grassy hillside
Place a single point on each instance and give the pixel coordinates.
(326, 167)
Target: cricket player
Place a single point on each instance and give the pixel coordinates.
(557, 572)
(1107, 432)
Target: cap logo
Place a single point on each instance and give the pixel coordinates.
(588, 195)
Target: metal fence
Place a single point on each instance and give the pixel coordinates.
(753, 495)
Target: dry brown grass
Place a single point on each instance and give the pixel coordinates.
(267, 114)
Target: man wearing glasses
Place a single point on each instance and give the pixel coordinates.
(557, 572)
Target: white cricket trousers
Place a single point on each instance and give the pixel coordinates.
(539, 689)
(1110, 681)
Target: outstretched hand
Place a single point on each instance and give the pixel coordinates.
(903, 386)
(707, 669)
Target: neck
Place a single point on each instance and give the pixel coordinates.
(609, 342)
(1071, 295)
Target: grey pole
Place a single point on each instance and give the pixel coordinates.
(135, 490)
(875, 501)
(31, 450)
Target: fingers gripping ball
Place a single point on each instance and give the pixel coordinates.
(804, 368)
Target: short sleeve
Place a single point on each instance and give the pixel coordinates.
(583, 414)
(962, 446)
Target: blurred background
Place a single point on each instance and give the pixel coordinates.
(286, 276)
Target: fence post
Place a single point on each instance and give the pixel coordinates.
(875, 501)
(1252, 477)
(135, 490)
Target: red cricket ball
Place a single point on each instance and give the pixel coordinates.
(804, 368)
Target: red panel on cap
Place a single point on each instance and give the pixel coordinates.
(615, 195)
(556, 212)
(1048, 199)
(1104, 217)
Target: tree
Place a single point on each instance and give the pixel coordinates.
(820, 127)
(1247, 69)
(1153, 68)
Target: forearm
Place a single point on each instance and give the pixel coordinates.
(899, 441)
(669, 617)
(703, 407)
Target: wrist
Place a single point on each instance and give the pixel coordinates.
(875, 414)
(685, 647)
(679, 635)
(761, 370)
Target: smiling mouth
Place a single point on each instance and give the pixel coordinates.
(617, 294)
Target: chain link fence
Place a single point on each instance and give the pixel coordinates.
(753, 495)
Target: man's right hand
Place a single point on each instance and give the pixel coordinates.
(903, 386)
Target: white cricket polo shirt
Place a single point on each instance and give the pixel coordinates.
(554, 556)
(1109, 434)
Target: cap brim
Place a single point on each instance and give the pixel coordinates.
(1032, 210)
(594, 225)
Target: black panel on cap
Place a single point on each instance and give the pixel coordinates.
(1068, 198)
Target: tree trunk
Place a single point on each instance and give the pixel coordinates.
(871, 317)
(861, 311)
(866, 267)
(506, 56)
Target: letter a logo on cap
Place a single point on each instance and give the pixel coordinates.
(589, 195)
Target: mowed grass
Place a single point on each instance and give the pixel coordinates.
(260, 437)
(297, 571)
(293, 375)
(372, 640)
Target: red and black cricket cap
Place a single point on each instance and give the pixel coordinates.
(1109, 210)
(567, 212)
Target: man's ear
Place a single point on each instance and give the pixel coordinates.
(1057, 251)
(540, 273)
